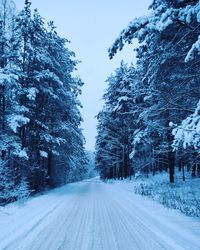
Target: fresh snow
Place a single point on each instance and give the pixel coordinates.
(188, 133)
(43, 154)
(32, 92)
(16, 121)
(93, 215)
(181, 195)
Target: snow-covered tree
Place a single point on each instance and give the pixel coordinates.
(188, 133)
(116, 125)
(11, 112)
(41, 141)
(168, 68)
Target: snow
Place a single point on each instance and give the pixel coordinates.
(23, 154)
(181, 195)
(16, 121)
(95, 215)
(43, 154)
(188, 132)
(195, 48)
(32, 92)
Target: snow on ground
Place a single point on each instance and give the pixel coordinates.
(182, 195)
(93, 215)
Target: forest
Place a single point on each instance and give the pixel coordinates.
(150, 121)
(41, 142)
(138, 187)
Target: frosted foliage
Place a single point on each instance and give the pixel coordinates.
(188, 133)
(46, 74)
(19, 152)
(138, 136)
(165, 20)
(23, 154)
(16, 121)
(3, 78)
(159, 19)
(57, 140)
(22, 191)
(194, 49)
(7, 78)
(188, 15)
(43, 154)
(32, 93)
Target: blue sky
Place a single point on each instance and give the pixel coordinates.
(92, 26)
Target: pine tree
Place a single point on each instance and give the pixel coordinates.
(115, 126)
(168, 41)
(42, 144)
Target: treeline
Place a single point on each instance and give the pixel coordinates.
(151, 118)
(41, 143)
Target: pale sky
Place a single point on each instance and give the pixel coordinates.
(92, 26)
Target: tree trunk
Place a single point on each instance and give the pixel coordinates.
(115, 171)
(183, 171)
(49, 170)
(171, 154)
(171, 159)
(4, 110)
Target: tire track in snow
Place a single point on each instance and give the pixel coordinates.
(96, 216)
(149, 221)
(107, 237)
(21, 234)
(128, 233)
(61, 226)
(134, 233)
(17, 235)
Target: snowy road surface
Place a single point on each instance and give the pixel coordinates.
(93, 215)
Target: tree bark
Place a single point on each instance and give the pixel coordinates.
(171, 159)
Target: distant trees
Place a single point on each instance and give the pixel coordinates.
(91, 165)
(41, 143)
(115, 128)
(166, 87)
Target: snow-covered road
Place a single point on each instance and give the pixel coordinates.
(93, 215)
